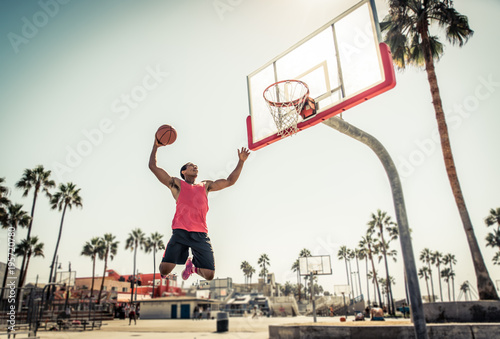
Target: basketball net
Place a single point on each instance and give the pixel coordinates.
(285, 100)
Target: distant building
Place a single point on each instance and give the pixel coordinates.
(147, 286)
(178, 308)
(268, 288)
(218, 289)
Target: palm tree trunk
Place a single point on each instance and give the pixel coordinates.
(406, 289)
(133, 276)
(4, 283)
(376, 281)
(51, 290)
(367, 280)
(440, 286)
(93, 276)
(449, 290)
(26, 270)
(453, 285)
(23, 270)
(485, 285)
(428, 292)
(57, 244)
(388, 284)
(154, 269)
(432, 282)
(389, 288)
(354, 290)
(375, 292)
(359, 277)
(103, 276)
(347, 272)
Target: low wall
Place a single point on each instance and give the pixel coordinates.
(463, 312)
(434, 331)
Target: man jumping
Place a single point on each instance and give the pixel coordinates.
(189, 226)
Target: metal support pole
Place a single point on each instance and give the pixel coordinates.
(312, 298)
(401, 217)
(345, 307)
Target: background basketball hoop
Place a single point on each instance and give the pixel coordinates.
(286, 100)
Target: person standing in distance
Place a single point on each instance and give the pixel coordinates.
(189, 226)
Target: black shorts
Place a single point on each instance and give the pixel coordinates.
(177, 250)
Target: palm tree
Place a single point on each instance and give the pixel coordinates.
(493, 239)
(449, 259)
(92, 249)
(263, 261)
(343, 254)
(493, 218)
(36, 179)
(136, 240)
(4, 201)
(447, 274)
(244, 267)
(425, 274)
(305, 253)
(382, 222)
(66, 196)
(14, 218)
(153, 244)
(251, 271)
(28, 248)
(437, 259)
(407, 28)
(296, 268)
(464, 288)
(426, 258)
(496, 259)
(109, 248)
(367, 243)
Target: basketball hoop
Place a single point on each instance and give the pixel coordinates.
(285, 100)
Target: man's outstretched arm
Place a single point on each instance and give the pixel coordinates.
(160, 173)
(233, 177)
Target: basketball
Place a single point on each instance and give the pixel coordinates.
(166, 135)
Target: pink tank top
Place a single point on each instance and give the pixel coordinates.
(192, 208)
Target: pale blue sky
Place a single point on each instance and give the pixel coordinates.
(185, 64)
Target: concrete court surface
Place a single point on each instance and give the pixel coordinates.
(239, 328)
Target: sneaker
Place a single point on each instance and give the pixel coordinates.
(188, 270)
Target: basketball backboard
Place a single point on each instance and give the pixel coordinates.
(317, 265)
(343, 64)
